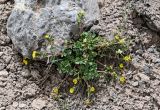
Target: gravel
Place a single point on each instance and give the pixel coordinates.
(19, 90)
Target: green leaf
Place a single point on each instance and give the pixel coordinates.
(79, 60)
(65, 66)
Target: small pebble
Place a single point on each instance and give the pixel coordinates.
(135, 84)
(147, 69)
(144, 77)
(3, 84)
(4, 73)
(2, 108)
(15, 104)
(26, 73)
(151, 50)
(38, 104)
(21, 105)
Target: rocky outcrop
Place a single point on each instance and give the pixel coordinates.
(31, 19)
(150, 12)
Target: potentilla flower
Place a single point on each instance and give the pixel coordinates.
(121, 65)
(117, 37)
(127, 58)
(46, 36)
(25, 61)
(71, 90)
(122, 80)
(121, 41)
(55, 90)
(75, 81)
(35, 54)
(92, 89)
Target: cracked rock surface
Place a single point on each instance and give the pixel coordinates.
(150, 11)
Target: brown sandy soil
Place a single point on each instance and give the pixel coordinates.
(19, 90)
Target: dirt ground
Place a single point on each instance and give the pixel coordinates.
(19, 90)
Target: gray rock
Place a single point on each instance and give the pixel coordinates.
(135, 84)
(3, 1)
(38, 104)
(15, 104)
(149, 10)
(2, 65)
(3, 84)
(3, 79)
(151, 49)
(1, 53)
(26, 73)
(101, 3)
(143, 77)
(31, 19)
(4, 39)
(22, 105)
(19, 85)
(157, 60)
(156, 82)
(147, 69)
(30, 90)
(11, 67)
(140, 52)
(2, 108)
(36, 74)
(7, 58)
(4, 73)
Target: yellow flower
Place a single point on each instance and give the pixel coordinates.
(46, 36)
(122, 79)
(35, 54)
(121, 65)
(121, 41)
(71, 90)
(25, 61)
(55, 90)
(127, 58)
(117, 37)
(75, 81)
(92, 89)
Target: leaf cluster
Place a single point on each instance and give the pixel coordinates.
(81, 58)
